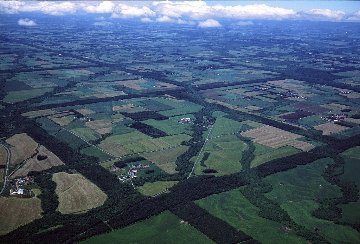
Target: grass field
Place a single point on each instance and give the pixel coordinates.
(352, 152)
(94, 151)
(225, 126)
(351, 211)
(295, 191)
(225, 155)
(23, 146)
(163, 228)
(171, 126)
(151, 189)
(137, 142)
(166, 159)
(34, 164)
(18, 96)
(235, 209)
(76, 193)
(3, 156)
(86, 134)
(18, 211)
(264, 154)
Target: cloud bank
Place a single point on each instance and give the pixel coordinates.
(26, 22)
(209, 23)
(184, 12)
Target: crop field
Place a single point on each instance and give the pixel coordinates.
(225, 153)
(23, 147)
(330, 128)
(96, 152)
(86, 134)
(22, 95)
(100, 126)
(272, 137)
(264, 154)
(235, 209)
(165, 159)
(163, 228)
(296, 190)
(3, 156)
(42, 160)
(39, 113)
(172, 126)
(351, 211)
(76, 193)
(137, 142)
(16, 212)
(151, 189)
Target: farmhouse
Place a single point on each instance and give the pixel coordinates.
(185, 120)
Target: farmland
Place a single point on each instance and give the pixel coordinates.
(77, 194)
(43, 160)
(156, 129)
(18, 211)
(158, 229)
(152, 189)
(296, 191)
(235, 209)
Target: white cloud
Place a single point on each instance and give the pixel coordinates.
(11, 7)
(181, 12)
(245, 23)
(354, 17)
(101, 8)
(164, 19)
(146, 20)
(127, 11)
(51, 8)
(324, 14)
(209, 23)
(26, 22)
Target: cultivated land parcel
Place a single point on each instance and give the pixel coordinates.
(170, 133)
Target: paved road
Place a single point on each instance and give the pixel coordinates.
(7, 167)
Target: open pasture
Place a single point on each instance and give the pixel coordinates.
(236, 210)
(225, 154)
(276, 138)
(153, 188)
(22, 95)
(3, 156)
(163, 228)
(330, 128)
(265, 154)
(42, 160)
(76, 193)
(102, 126)
(23, 147)
(166, 159)
(16, 212)
(296, 191)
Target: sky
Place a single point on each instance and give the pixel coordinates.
(204, 14)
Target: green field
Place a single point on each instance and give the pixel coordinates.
(296, 190)
(95, 152)
(171, 126)
(166, 159)
(163, 228)
(264, 154)
(153, 188)
(235, 209)
(351, 211)
(225, 155)
(18, 96)
(86, 134)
